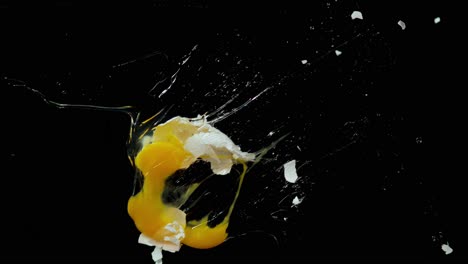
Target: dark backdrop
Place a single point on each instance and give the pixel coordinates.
(376, 131)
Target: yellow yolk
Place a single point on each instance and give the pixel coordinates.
(202, 237)
(157, 161)
(199, 235)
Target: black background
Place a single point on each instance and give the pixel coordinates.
(378, 127)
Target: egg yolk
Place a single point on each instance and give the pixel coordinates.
(157, 161)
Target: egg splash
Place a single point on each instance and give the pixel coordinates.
(165, 155)
(174, 162)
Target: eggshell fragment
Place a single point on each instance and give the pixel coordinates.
(296, 200)
(447, 249)
(290, 173)
(356, 15)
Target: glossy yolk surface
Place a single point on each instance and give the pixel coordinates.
(157, 161)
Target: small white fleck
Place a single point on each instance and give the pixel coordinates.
(356, 14)
(290, 173)
(271, 133)
(447, 249)
(338, 53)
(296, 201)
(402, 24)
(303, 61)
(298, 148)
(436, 20)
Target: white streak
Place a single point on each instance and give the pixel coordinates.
(290, 173)
(224, 116)
(356, 14)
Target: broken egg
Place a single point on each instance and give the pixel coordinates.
(159, 209)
